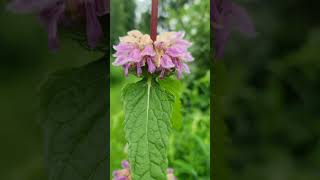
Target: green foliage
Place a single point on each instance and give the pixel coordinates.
(144, 25)
(189, 151)
(118, 145)
(192, 17)
(74, 106)
(148, 109)
(175, 87)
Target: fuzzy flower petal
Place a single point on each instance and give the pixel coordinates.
(125, 164)
(126, 69)
(185, 68)
(151, 66)
(135, 56)
(166, 62)
(148, 51)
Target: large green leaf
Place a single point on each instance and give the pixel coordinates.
(148, 109)
(75, 110)
(175, 87)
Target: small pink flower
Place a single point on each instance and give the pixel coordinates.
(170, 175)
(124, 174)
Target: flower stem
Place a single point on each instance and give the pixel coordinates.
(154, 20)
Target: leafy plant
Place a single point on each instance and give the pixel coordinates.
(74, 106)
(148, 109)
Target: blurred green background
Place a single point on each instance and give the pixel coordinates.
(189, 146)
(268, 93)
(25, 63)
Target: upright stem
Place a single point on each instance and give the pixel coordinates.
(154, 20)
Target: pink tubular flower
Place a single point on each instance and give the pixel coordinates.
(55, 12)
(167, 54)
(124, 174)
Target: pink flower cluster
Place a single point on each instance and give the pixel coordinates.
(124, 174)
(169, 53)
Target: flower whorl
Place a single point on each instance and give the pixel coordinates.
(167, 54)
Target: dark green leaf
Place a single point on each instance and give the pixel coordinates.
(75, 108)
(148, 110)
